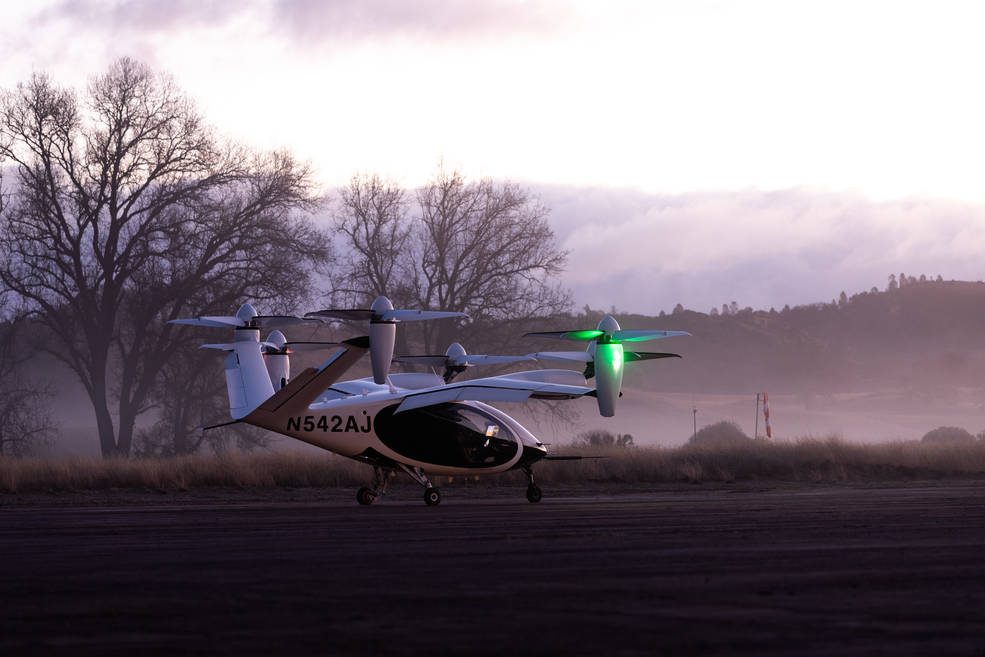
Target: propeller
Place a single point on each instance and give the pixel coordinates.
(276, 352)
(383, 320)
(605, 355)
(456, 360)
(246, 317)
(589, 359)
(275, 349)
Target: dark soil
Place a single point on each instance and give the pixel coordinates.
(682, 570)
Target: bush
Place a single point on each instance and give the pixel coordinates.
(948, 435)
(600, 438)
(807, 460)
(725, 432)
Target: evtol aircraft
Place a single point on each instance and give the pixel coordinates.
(418, 423)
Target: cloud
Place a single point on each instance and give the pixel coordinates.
(138, 16)
(312, 21)
(440, 20)
(646, 253)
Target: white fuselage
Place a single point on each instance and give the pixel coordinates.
(456, 438)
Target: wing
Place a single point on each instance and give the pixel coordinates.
(516, 387)
(572, 356)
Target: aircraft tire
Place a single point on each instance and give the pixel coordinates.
(365, 496)
(432, 497)
(533, 493)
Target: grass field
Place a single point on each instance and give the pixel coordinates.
(806, 460)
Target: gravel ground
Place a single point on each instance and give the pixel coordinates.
(728, 570)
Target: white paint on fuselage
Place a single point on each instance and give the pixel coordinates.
(326, 422)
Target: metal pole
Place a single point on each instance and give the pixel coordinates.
(756, 435)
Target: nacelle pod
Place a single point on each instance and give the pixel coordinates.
(277, 360)
(608, 376)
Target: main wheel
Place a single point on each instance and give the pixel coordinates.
(431, 496)
(365, 495)
(533, 493)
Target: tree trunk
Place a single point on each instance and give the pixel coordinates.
(125, 438)
(104, 422)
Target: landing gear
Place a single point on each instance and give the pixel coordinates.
(533, 490)
(431, 496)
(366, 495)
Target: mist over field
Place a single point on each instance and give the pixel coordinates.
(879, 367)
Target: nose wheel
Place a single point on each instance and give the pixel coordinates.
(533, 490)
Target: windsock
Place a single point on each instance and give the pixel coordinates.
(766, 414)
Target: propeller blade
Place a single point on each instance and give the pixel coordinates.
(579, 334)
(632, 356)
(350, 314)
(430, 361)
(221, 347)
(275, 321)
(415, 315)
(639, 336)
(482, 359)
(573, 356)
(219, 321)
(306, 347)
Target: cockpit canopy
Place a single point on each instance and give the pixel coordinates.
(453, 434)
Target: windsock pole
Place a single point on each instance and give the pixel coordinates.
(756, 433)
(766, 414)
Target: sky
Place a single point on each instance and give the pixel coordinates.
(691, 152)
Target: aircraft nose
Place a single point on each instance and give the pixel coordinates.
(533, 453)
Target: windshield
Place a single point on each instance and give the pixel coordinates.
(452, 434)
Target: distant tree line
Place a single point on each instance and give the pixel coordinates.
(895, 283)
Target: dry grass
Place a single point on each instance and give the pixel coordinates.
(805, 460)
(264, 470)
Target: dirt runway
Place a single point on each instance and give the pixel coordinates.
(725, 571)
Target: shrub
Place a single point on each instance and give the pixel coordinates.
(601, 438)
(948, 435)
(725, 432)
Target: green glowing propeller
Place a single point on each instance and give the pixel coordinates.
(605, 356)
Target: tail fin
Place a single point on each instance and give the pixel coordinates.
(296, 396)
(247, 379)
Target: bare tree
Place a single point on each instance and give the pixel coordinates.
(127, 212)
(371, 219)
(485, 249)
(25, 421)
(482, 248)
(191, 396)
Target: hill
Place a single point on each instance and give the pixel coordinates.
(924, 337)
